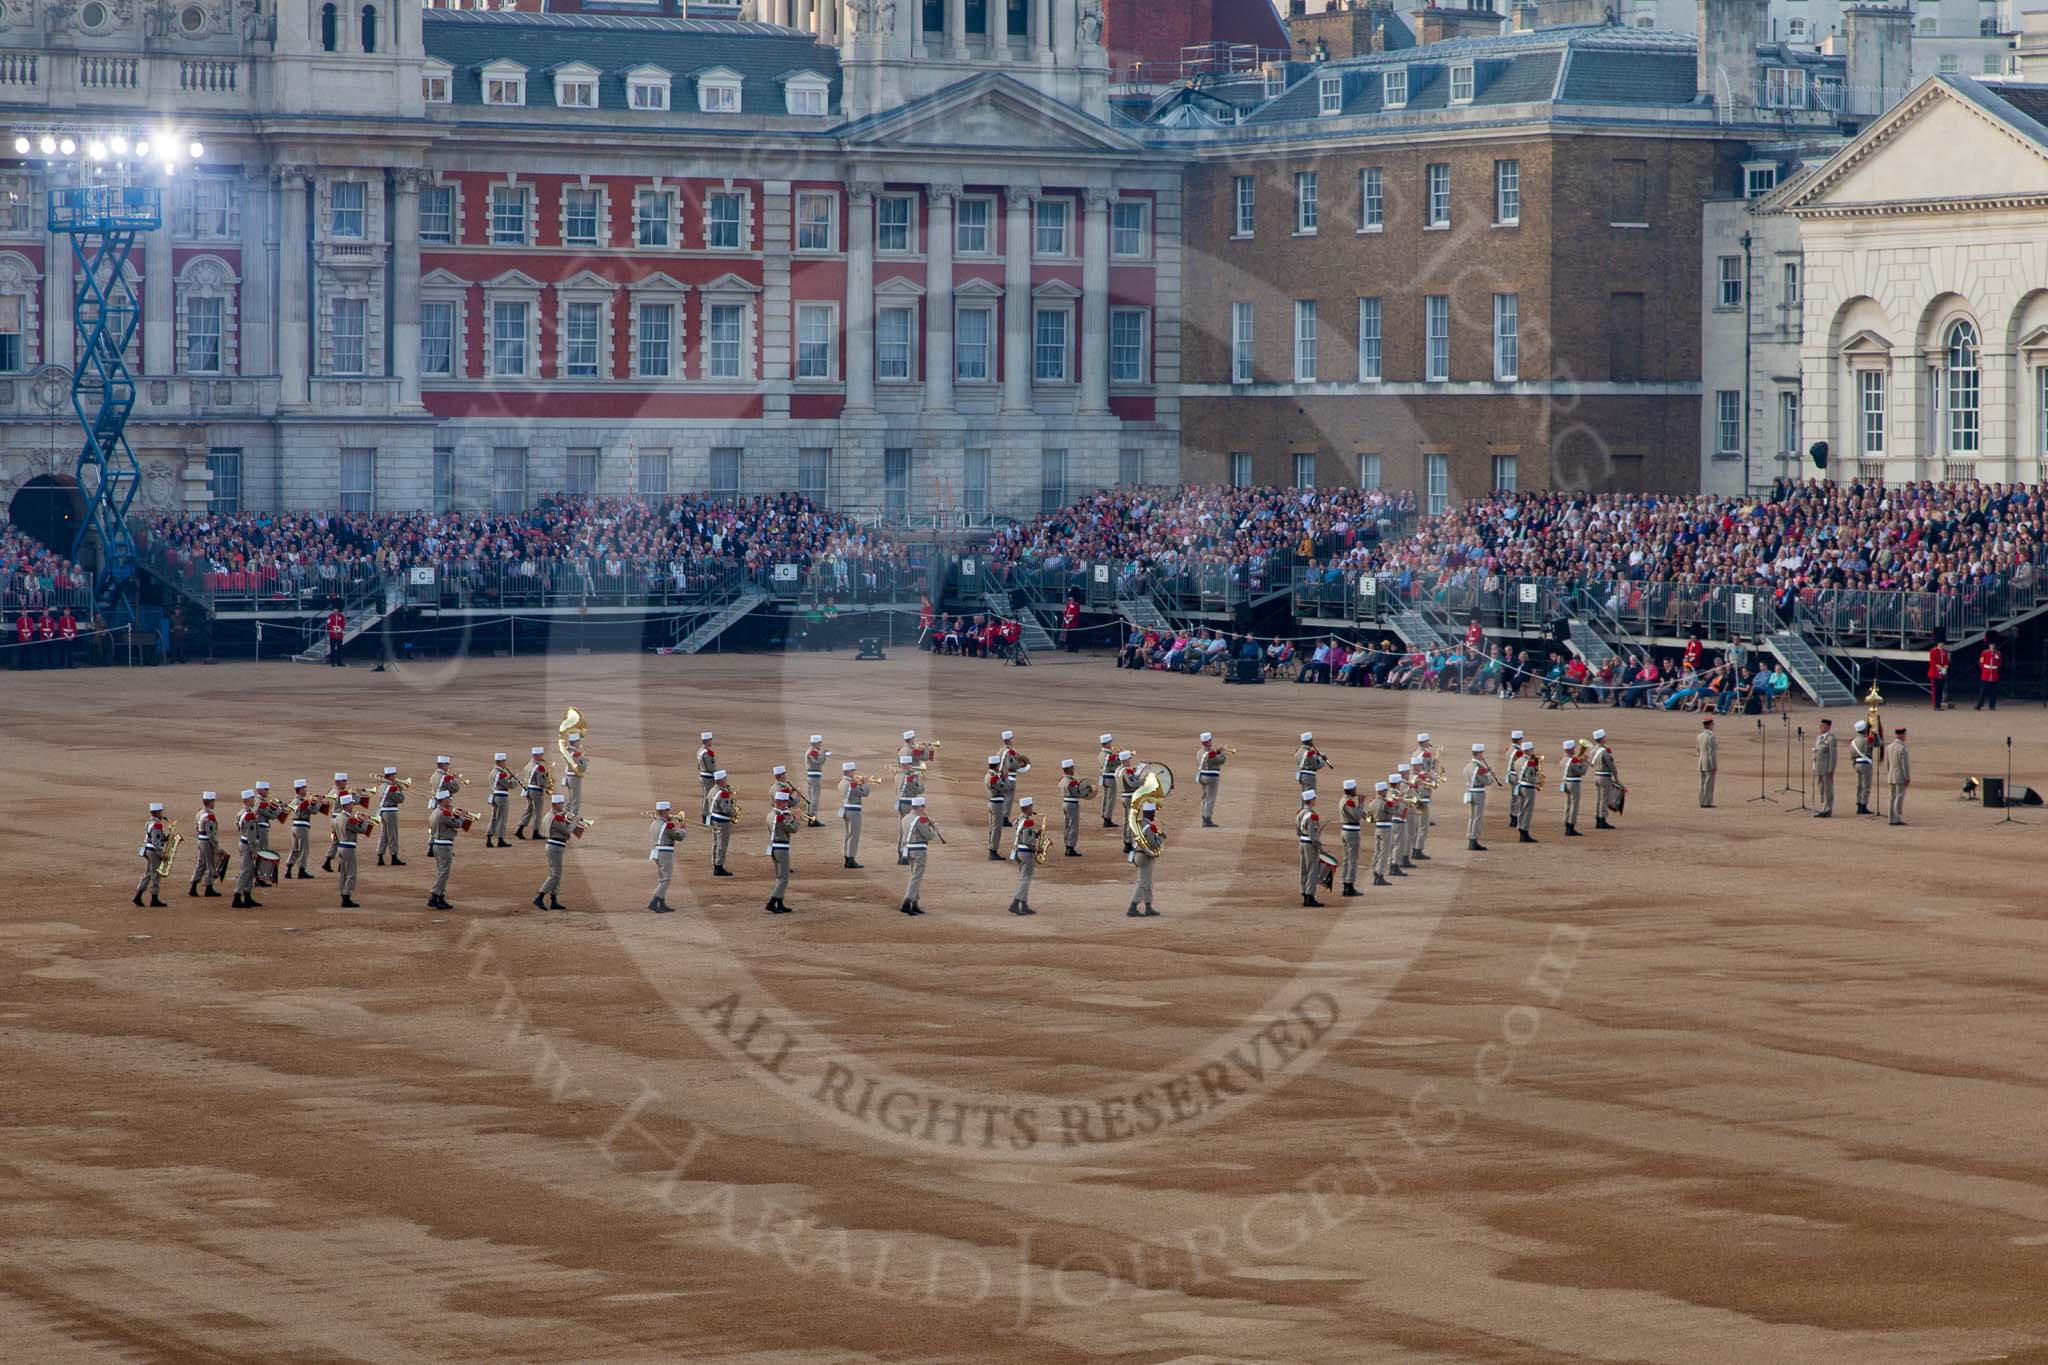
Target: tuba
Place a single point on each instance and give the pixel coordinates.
(572, 723)
(1155, 783)
(169, 853)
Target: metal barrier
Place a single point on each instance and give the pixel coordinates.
(18, 595)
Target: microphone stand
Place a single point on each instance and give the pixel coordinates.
(1786, 717)
(2008, 820)
(1763, 763)
(1802, 774)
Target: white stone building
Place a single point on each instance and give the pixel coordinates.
(468, 258)
(1924, 341)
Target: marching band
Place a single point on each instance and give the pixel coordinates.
(1397, 810)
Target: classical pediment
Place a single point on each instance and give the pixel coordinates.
(1867, 342)
(1948, 142)
(994, 112)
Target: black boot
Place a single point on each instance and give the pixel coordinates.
(1073, 853)
(720, 872)
(851, 864)
(193, 889)
(1601, 824)
(905, 908)
(1378, 880)
(994, 856)
(1395, 871)
(1525, 837)
(540, 903)
(251, 903)
(1132, 913)
(1350, 889)
(397, 861)
(1420, 856)
(554, 903)
(304, 875)
(519, 833)
(1013, 908)
(770, 906)
(348, 903)
(327, 865)
(236, 903)
(209, 894)
(138, 898)
(156, 903)
(916, 908)
(1474, 846)
(1572, 832)
(380, 860)
(1150, 913)
(1311, 901)
(662, 907)
(1208, 824)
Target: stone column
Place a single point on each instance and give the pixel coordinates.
(804, 14)
(258, 305)
(956, 29)
(938, 300)
(829, 25)
(1041, 31)
(1095, 304)
(998, 30)
(860, 296)
(405, 282)
(159, 306)
(1063, 20)
(1017, 299)
(60, 287)
(293, 320)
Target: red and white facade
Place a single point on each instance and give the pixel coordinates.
(395, 285)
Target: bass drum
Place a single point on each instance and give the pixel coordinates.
(1157, 773)
(266, 867)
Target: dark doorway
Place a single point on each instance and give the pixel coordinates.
(49, 508)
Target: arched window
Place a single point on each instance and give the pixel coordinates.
(329, 25)
(369, 28)
(1963, 389)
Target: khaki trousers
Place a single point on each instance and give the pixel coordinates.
(553, 884)
(1141, 894)
(1707, 787)
(1824, 792)
(850, 817)
(1475, 813)
(302, 848)
(1352, 835)
(444, 863)
(781, 859)
(1383, 849)
(500, 809)
(1072, 824)
(1863, 784)
(1571, 802)
(1209, 784)
(916, 859)
(151, 882)
(1898, 812)
(1026, 866)
(664, 871)
(1311, 868)
(721, 839)
(345, 869)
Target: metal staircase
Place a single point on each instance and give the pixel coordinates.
(1808, 669)
(1144, 613)
(718, 622)
(1587, 643)
(1415, 629)
(356, 618)
(1034, 631)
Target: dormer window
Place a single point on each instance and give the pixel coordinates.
(1759, 178)
(718, 90)
(1396, 88)
(1784, 87)
(1329, 96)
(1275, 78)
(647, 88)
(805, 93)
(1461, 83)
(504, 83)
(576, 86)
(435, 82)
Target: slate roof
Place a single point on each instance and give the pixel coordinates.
(1606, 65)
(760, 53)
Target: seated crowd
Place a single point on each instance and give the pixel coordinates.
(33, 576)
(564, 546)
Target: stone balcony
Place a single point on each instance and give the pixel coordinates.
(54, 79)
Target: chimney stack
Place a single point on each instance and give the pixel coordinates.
(1879, 40)
(1730, 32)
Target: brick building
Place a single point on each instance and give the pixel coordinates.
(1459, 266)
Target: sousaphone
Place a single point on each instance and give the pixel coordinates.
(1155, 783)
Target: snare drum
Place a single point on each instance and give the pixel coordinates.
(266, 867)
(1328, 862)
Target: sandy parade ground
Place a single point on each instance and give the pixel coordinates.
(1724, 1085)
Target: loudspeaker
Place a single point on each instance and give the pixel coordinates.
(1993, 790)
(1246, 671)
(870, 650)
